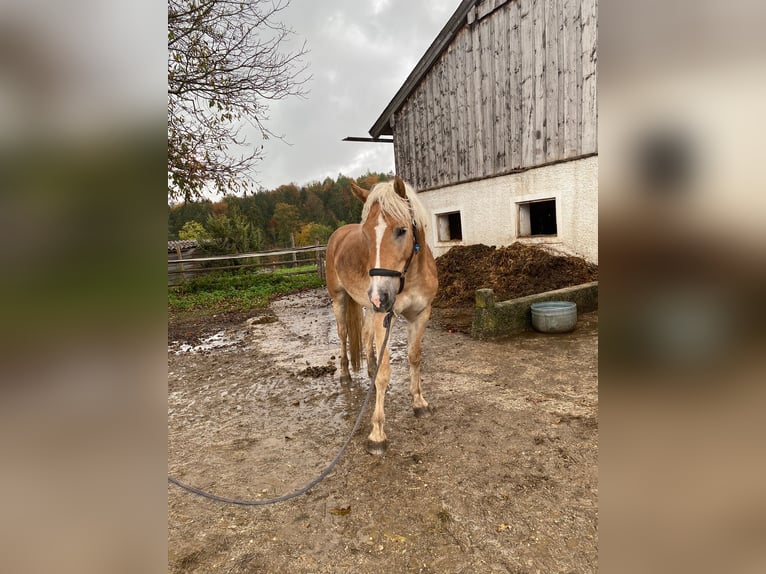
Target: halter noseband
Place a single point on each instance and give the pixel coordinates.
(378, 272)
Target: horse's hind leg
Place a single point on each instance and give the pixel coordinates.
(415, 328)
(339, 308)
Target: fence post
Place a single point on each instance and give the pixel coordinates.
(320, 264)
(292, 244)
(181, 263)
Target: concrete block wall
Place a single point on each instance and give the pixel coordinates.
(489, 208)
(493, 319)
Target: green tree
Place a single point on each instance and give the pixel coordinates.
(226, 60)
(188, 211)
(250, 208)
(193, 230)
(231, 232)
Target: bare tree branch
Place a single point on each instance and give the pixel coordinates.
(226, 61)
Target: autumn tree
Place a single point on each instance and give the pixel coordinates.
(313, 234)
(286, 219)
(312, 208)
(286, 209)
(227, 59)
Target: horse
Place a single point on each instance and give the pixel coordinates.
(376, 267)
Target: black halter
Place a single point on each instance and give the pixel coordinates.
(378, 272)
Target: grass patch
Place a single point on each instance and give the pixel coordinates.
(224, 292)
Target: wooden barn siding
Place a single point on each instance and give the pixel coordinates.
(515, 89)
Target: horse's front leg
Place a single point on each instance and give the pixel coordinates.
(415, 328)
(339, 308)
(368, 335)
(376, 441)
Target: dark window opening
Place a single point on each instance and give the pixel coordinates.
(455, 227)
(542, 217)
(537, 218)
(450, 228)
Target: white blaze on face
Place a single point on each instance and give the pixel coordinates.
(380, 229)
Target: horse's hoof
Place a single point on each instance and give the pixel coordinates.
(423, 411)
(377, 448)
(345, 378)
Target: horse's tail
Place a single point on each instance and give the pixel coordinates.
(354, 328)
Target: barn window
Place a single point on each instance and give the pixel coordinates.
(449, 226)
(537, 218)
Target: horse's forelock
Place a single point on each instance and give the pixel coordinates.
(394, 206)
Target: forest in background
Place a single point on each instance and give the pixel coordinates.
(266, 219)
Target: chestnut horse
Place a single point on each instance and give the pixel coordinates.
(382, 264)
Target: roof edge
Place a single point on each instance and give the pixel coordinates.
(382, 125)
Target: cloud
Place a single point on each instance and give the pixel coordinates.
(360, 54)
(379, 6)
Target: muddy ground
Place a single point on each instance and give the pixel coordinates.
(502, 477)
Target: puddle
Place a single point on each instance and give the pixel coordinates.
(218, 341)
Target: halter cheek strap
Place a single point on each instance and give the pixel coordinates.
(379, 272)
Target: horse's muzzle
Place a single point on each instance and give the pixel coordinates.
(382, 295)
(382, 302)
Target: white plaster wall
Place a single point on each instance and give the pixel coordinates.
(489, 211)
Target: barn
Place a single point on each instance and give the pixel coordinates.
(496, 126)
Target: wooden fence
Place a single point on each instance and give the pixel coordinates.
(180, 269)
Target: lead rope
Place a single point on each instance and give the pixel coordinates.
(325, 472)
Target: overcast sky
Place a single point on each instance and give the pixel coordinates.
(361, 51)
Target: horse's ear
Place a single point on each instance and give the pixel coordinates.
(399, 187)
(360, 192)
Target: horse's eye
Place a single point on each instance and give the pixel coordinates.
(400, 231)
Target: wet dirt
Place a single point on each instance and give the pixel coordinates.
(501, 478)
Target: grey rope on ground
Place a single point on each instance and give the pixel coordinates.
(324, 473)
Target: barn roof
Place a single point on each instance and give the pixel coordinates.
(382, 125)
(182, 243)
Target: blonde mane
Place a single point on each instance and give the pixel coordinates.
(394, 206)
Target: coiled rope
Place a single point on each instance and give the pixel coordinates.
(324, 473)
